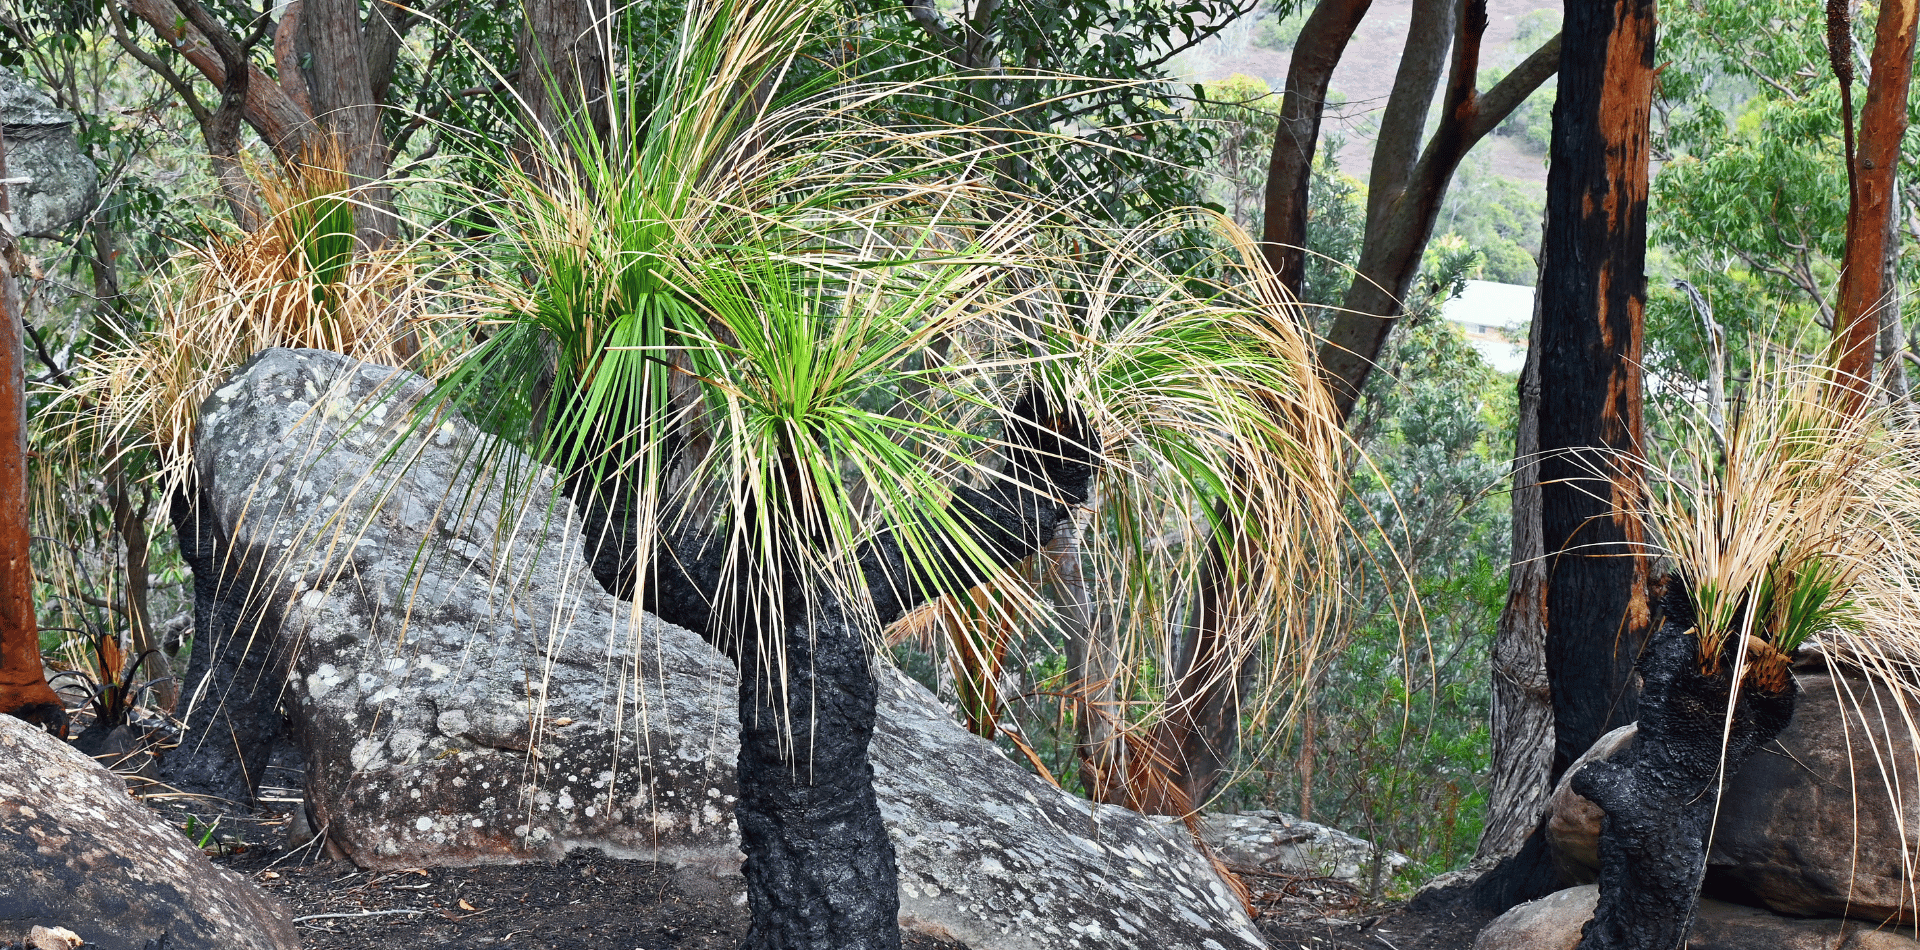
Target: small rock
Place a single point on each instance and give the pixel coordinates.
(76, 849)
(1573, 823)
(41, 147)
(1277, 841)
(52, 938)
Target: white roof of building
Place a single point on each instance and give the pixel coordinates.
(1495, 317)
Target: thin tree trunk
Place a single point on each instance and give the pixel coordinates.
(1306, 764)
(1190, 750)
(341, 89)
(1093, 667)
(1513, 846)
(1522, 702)
(1893, 332)
(130, 523)
(1403, 124)
(1593, 293)
(1323, 40)
(1864, 290)
(23, 677)
(220, 128)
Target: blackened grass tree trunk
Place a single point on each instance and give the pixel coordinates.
(229, 709)
(1661, 792)
(820, 867)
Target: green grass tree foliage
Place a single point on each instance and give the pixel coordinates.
(802, 370)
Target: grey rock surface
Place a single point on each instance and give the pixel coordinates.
(76, 851)
(41, 146)
(1823, 823)
(466, 693)
(1277, 841)
(1554, 923)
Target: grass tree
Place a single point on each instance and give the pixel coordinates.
(802, 367)
(1794, 523)
(301, 278)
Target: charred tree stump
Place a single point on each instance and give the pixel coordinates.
(1661, 792)
(820, 868)
(229, 702)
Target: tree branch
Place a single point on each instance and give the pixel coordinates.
(1323, 40)
(268, 110)
(923, 14)
(159, 67)
(1510, 92)
(1203, 34)
(1391, 258)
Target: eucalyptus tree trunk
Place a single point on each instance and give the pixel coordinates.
(1512, 846)
(1593, 292)
(340, 86)
(562, 83)
(1577, 600)
(1866, 295)
(23, 677)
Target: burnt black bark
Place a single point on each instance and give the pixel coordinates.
(820, 869)
(229, 703)
(1592, 296)
(1661, 792)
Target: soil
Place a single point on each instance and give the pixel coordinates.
(586, 902)
(1320, 914)
(592, 902)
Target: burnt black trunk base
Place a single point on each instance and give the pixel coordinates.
(1661, 792)
(820, 870)
(820, 867)
(234, 727)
